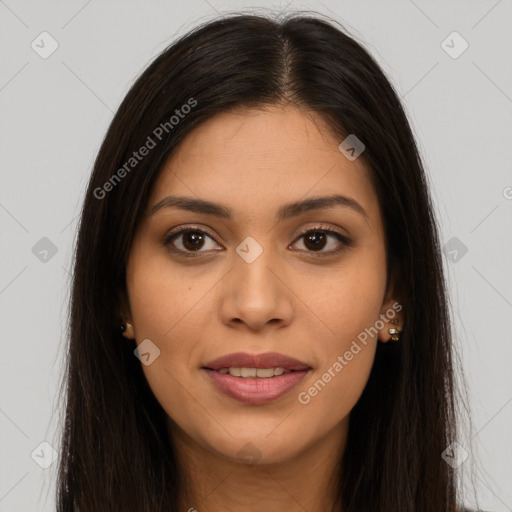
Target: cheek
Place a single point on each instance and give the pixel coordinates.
(162, 297)
(349, 299)
(332, 393)
(164, 309)
(168, 309)
(346, 345)
(343, 312)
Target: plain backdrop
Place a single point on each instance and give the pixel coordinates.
(55, 110)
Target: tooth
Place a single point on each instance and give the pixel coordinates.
(248, 372)
(265, 372)
(262, 373)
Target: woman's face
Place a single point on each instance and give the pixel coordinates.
(252, 283)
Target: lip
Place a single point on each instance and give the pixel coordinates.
(264, 360)
(254, 390)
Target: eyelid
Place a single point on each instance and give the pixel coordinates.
(307, 229)
(321, 227)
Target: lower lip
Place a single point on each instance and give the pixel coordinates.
(254, 390)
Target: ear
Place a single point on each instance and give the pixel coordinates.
(391, 314)
(125, 316)
(129, 332)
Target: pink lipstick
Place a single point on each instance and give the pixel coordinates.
(256, 378)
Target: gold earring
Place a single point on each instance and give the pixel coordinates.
(395, 333)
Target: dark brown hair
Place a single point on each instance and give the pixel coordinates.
(116, 454)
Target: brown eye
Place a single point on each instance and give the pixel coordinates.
(315, 240)
(192, 240)
(188, 240)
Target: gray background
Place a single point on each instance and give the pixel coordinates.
(55, 111)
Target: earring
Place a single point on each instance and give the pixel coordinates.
(125, 327)
(395, 333)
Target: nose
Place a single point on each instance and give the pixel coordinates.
(257, 294)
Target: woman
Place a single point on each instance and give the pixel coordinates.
(259, 317)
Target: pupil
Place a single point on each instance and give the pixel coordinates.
(195, 238)
(318, 244)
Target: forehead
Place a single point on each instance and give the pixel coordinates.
(257, 159)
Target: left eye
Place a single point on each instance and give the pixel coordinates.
(191, 241)
(316, 240)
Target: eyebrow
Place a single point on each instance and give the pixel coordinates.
(286, 211)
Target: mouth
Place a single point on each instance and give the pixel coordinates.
(263, 361)
(251, 373)
(256, 378)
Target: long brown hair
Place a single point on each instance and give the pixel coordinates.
(116, 454)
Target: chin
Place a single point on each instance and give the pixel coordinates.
(258, 449)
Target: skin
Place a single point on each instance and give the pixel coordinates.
(197, 309)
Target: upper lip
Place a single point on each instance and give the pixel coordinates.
(263, 360)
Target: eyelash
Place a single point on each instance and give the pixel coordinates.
(345, 241)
